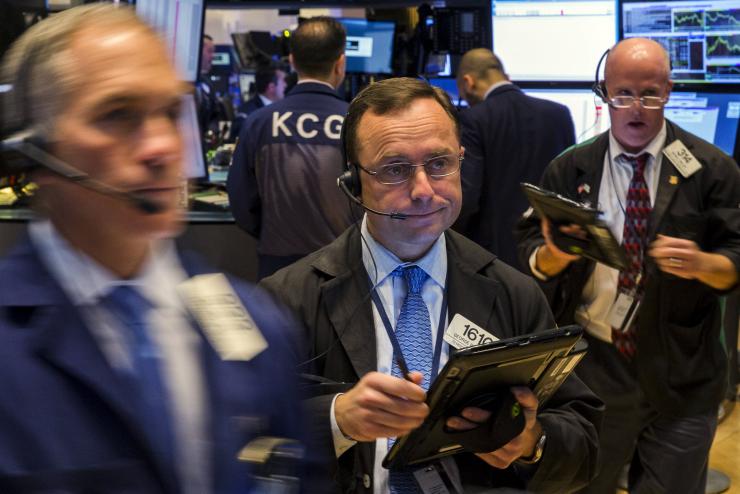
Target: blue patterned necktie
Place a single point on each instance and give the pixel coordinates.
(414, 335)
(131, 308)
(634, 241)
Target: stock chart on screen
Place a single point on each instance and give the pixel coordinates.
(702, 38)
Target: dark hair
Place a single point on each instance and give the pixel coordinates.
(316, 44)
(389, 96)
(265, 75)
(208, 37)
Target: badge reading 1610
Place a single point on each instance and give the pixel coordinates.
(463, 333)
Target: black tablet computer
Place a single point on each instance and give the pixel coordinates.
(600, 246)
(541, 361)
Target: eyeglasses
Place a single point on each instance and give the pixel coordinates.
(398, 171)
(647, 102)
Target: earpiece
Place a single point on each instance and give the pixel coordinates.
(599, 86)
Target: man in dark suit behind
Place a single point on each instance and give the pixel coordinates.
(509, 138)
(114, 379)
(402, 141)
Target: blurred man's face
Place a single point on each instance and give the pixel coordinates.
(636, 72)
(279, 85)
(418, 133)
(206, 58)
(120, 126)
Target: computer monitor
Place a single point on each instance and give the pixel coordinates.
(590, 115)
(702, 37)
(369, 47)
(194, 163)
(712, 116)
(181, 22)
(449, 85)
(552, 40)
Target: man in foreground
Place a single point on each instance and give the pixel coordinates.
(402, 142)
(121, 369)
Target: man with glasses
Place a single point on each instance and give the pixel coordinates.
(655, 355)
(402, 262)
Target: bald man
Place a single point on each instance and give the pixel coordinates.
(672, 200)
(509, 138)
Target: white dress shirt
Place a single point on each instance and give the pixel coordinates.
(379, 263)
(86, 282)
(600, 290)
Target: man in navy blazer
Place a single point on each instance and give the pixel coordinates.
(77, 368)
(282, 182)
(509, 138)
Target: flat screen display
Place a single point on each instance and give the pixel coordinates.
(181, 23)
(712, 116)
(369, 47)
(552, 40)
(194, 163)
(590, 115)
(702, 37)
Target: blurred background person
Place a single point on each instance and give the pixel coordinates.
(282, 181)
(270, 86)
(109, 379)
(509, 138)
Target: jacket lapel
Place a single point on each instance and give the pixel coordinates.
(668, 184)
(471, 294)
(346, 296)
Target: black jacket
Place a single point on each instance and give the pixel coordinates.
(329, 292)
(509, 138)
(680, 362)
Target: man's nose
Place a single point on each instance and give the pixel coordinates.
(160, 140)
(421, 186)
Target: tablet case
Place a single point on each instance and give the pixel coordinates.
(481, 376)
(601, 246)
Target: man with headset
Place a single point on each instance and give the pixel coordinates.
(282, 180)
(655, 355)
(509, 138)
(404, 155)
(121, 369)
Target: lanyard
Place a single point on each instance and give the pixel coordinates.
(394, 341)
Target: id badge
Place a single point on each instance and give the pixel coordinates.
(434, 478)
(623, 311)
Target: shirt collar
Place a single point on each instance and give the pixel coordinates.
(653, 148)
(495, 87)
(85, 281)
(434, 262)
(265, 100)
(316, 81)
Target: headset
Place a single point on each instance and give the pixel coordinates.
(349, 181)
(23, 147)
(599, 86)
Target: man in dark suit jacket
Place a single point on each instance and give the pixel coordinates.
(282, 179)
(270, 86)
(509, 138)
(121, 370)
(395, 127)
(662, 376)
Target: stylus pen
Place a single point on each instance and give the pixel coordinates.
(401, 362)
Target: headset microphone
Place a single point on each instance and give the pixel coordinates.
(16, 149)
(342, 184)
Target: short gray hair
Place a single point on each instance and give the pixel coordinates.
(37, 66)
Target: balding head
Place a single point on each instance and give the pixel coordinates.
(629, 53)
(479, 69)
